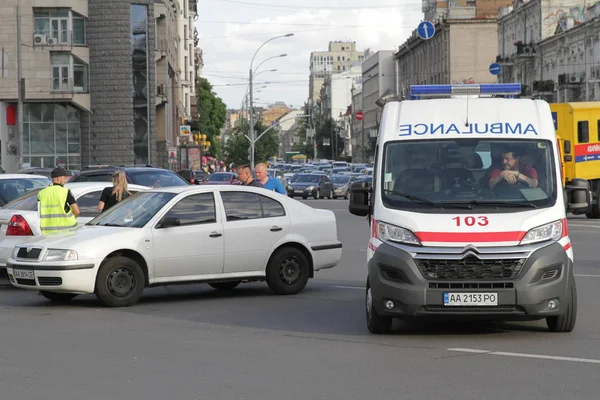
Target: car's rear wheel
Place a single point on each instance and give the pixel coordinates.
(375, 323)
(288, 271)
(566, 321)
(58, 297)
(225, 285)
(120, 282)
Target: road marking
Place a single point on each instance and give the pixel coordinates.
(587, 276)
(525, 355)
(348, 287)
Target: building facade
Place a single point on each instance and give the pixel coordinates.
(96, 77)
(339, 57)
(459, 52)
(273, 113)
(336, 92)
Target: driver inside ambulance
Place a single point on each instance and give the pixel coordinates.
(513, 171)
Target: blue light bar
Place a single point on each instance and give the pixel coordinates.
(507, 89)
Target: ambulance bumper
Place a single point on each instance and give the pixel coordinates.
(404, 286)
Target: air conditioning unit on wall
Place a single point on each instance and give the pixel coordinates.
(575, 78)
(51, 41)
(39, 39)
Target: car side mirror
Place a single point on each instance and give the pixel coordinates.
(360, 193)
(579, 196)
(169, 222)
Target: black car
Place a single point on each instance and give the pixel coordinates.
(305, 185)
(145, 176)
(193, 177)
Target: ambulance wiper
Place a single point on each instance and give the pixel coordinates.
(493, 203)
(425, 201)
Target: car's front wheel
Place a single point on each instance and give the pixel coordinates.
(120, 282)
(566, 321)
(58, 297)
(375, 322)
(288, 271)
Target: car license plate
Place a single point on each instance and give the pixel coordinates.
(298, 191)
(470, 299)
(23, 274)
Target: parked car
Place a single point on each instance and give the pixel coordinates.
(15, 185)
(19, 220)
(222, 235)
(193, 177)
(42, 171)
(143, 176)
(222, 178)
(307, 185)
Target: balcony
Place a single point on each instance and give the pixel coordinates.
(68, 85)
(543, 87)
(525, 50)
(58, 38)
(571, 80)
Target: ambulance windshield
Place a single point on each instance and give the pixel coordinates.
(482, 174)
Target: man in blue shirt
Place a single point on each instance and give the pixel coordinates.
(268, 182)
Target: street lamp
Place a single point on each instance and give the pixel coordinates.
(250, 75)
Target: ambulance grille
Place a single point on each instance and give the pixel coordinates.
(470, 268)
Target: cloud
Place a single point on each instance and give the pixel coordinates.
(228, 48)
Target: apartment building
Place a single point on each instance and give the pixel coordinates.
(336, 92)
(96, 76)
(339, 57)
(440, 9)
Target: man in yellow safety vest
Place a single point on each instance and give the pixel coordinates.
(57, 207)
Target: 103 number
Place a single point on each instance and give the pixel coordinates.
(471, 221)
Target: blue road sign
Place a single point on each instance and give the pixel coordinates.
(426, 30)
(495, 68)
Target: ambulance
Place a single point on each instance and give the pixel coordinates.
(468, 211)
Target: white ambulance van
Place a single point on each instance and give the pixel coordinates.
(468, 211)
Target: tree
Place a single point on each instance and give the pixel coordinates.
(237, 147)
(212, 112)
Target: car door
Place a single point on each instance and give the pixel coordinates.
(193, 244)
(326, 186)
(253, 224)
(88, 206)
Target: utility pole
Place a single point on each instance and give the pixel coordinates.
(19, 89)
(251, 120)
(364, 153)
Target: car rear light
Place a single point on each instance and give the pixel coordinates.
(18, 226)
(192, 181)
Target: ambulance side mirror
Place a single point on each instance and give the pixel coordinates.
(579, 196)
(360, 193)
(567, 147)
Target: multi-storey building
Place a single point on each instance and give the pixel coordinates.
(338, 58)
(96, 76)
(336, 92)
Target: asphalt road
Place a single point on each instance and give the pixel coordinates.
(192, 342)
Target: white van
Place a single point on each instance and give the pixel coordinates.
(467, 210)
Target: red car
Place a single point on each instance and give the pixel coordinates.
(222, 178)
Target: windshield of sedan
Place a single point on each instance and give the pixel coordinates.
(306, 178)
(477, 173)
(135, 211)
(156, 178)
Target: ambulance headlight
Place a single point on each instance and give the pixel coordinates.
(551, 231)
(391, 233)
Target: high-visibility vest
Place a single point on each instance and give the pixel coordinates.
(53, 217)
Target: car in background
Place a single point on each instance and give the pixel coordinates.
(222, 178)
(194, 177)
(341, 185)
(15, 185)
(278, 174)
(143, 176)
(310, 185)
(47, 172)
(221, 235)
(19, 220)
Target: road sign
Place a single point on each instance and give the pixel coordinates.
(172, 155)
(495, 68)
(360, 115)
(426, 30)
(185, 130)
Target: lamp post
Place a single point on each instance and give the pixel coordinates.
(251, 109)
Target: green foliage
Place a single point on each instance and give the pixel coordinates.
(212, 112)
(236, 148)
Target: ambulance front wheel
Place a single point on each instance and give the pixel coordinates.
(375, 322)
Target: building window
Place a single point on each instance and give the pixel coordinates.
(68, 73)
(60, 25)
(139, 54)
(51, 135)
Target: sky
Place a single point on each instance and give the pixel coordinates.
(231, 31)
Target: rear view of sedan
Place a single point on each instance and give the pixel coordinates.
(221, 235)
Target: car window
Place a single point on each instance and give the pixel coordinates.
(195, 209)
(135, 211)
(241, 205)
(98, 177)
(88, 204)
(11, 189)
(156, 178)
(270, 207)
(27, 202)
